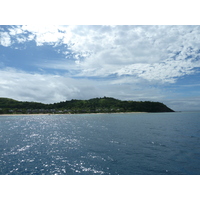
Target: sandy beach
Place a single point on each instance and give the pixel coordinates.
(69, 113)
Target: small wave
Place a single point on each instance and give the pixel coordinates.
(34, 135)
(89, 169)
(115, 142)
(24, 148)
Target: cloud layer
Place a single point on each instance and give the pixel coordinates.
(126, 62)
(154, 53)
(54, 88)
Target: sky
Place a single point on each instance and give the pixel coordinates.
(53, 63)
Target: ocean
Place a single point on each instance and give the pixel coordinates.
(101, 144)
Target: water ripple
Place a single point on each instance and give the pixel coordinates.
(100, 144)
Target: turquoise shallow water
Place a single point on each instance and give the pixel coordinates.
(86, 144)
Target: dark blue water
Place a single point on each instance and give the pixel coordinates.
(124, 144)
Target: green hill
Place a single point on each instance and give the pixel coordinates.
(95, 105)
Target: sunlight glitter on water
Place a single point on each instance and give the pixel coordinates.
(100, 144)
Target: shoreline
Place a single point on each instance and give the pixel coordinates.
(69, 113)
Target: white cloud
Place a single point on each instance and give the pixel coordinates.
(15, 31)
(37, 87)
(156, 53)
(44, 33)
(149, 52)
(5, 39)
(55, 88)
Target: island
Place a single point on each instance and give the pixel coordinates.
(74, 106)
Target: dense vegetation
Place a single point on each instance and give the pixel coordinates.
(96, 105)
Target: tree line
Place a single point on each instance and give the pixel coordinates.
(95, 105)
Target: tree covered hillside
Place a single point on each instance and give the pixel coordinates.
(95, 105)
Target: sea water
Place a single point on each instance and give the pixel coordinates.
(101, 144)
